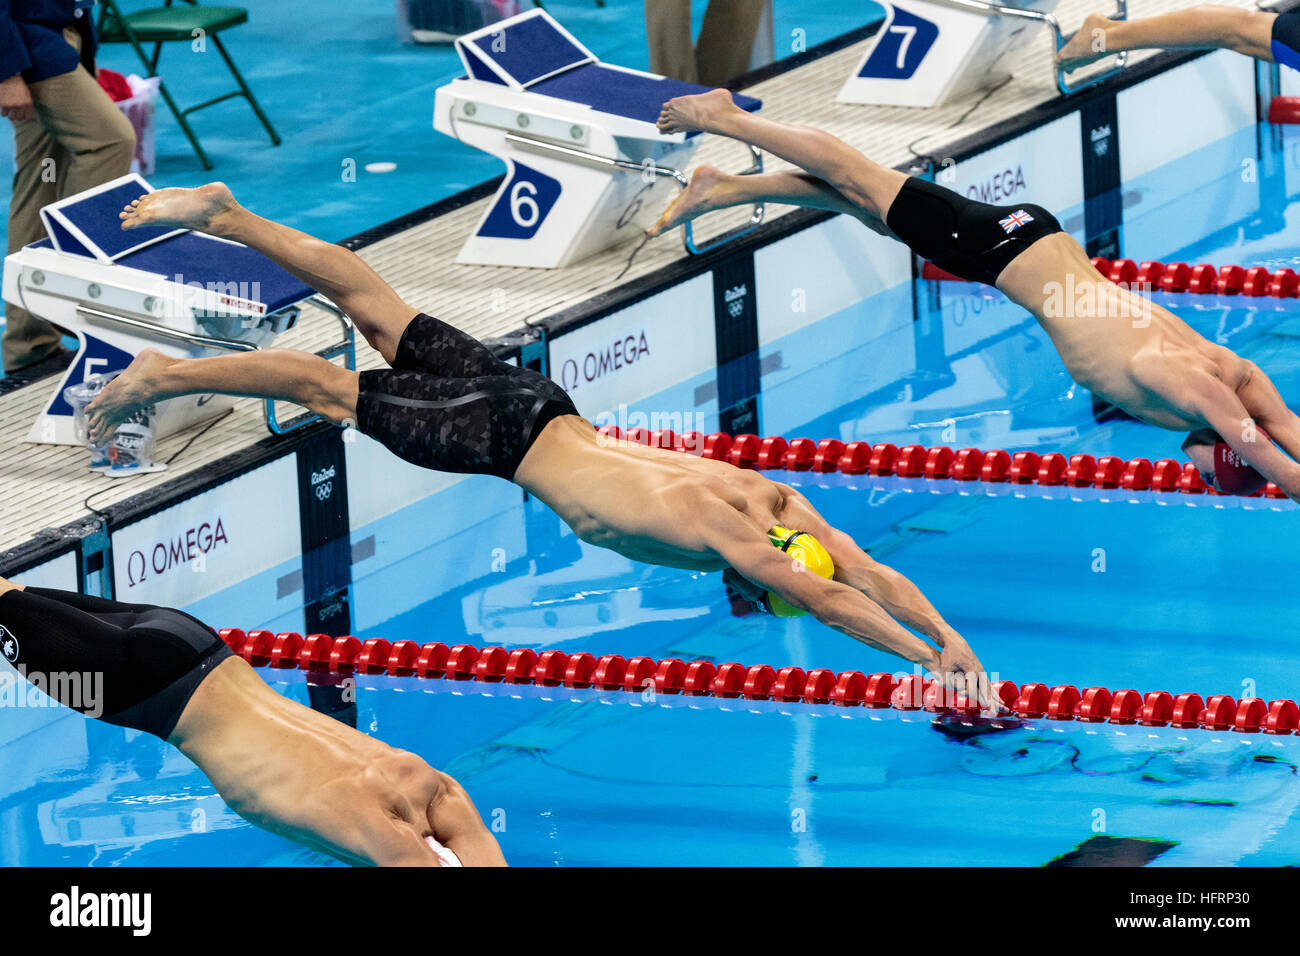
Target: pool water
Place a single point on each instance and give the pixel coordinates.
(1160, 593)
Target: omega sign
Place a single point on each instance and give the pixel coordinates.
(999, 187)
(168, 555)
(610, 358)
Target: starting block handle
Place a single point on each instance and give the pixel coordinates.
(345, 347)
(755, 220)
(608, 162)
(152, 329)
(1064, 85)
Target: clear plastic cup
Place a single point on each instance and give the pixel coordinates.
(130, 450)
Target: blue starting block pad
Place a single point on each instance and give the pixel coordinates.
(533, 52)
(88, 223)
(618, 92)
(586, 165)
(119, 291)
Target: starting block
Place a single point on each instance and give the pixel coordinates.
(183, 293)
(932, 53)
(586, 168)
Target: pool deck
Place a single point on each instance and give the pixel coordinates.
(46, 486)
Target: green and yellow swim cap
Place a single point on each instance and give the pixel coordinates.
(808, 551)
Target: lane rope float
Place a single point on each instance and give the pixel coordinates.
(1203, 279)
(939, 463)
(612, 672)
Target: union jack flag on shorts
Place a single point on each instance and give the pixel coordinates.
(1015, 221)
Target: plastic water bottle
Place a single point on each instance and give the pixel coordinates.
(130, 450)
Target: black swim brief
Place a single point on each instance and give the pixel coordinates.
(451, 405)
(133, 665)
(972, 240)
(1286, 40)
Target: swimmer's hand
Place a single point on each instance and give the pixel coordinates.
(961, 670)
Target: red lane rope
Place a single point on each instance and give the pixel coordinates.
(465, 662)
(938, 463)
(1203, 279)
(1284, 109)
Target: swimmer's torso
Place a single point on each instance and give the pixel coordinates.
(299, 773)
(1115, 342)
(645, 503)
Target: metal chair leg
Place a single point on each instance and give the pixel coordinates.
(248, 93)
(185, 127)
(151, 69)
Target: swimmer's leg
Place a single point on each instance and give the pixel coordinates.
(864, 183)
(712, 189)
(286, 375)
(1206, 27)
(339, 274)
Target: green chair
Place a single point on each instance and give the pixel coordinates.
(180, 24)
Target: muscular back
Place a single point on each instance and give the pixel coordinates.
(314, 780)
(1114, 341)
(648, 504)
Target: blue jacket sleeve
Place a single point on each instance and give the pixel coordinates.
(13, 50)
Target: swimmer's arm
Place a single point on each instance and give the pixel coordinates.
(457, 826)
(836, 605)
(890, 589)
(903, 600)
(1223, 411)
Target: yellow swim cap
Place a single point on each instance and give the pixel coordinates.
(808, 551)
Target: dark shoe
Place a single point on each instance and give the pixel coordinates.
(28, 361)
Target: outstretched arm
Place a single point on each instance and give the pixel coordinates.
(1225, 412)
(851, 611)
(883, 585)
(904, 601)
(457, 826)
(835, 604)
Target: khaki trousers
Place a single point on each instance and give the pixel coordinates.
(78, 139)
(724, 48)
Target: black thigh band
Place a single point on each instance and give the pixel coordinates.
(1286, 40)
(133, 665)
(972, 240)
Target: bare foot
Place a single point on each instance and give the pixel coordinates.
(697, 112)
(201, 209)
(699, 197)
(121, 398)
(1086, 46)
